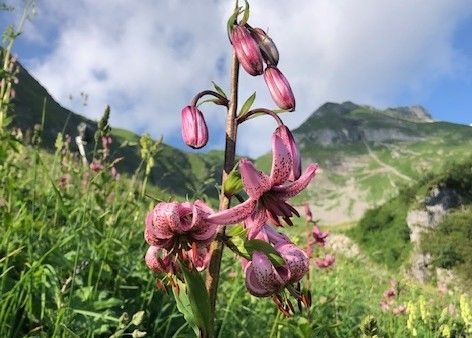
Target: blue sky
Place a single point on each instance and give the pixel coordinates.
(148, 58)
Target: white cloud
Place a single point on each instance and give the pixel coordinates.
(148, 58)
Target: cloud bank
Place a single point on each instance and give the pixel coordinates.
(147, 59)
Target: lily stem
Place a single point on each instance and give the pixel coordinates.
(229, 159)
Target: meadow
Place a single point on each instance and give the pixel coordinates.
(71, 265)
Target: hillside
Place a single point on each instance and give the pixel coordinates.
(366, 155)
(428, 226)
(176, 171)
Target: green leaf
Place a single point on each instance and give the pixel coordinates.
(218, 89)
(198, 298)
(260, 245)
(183, 305)
(247, 105)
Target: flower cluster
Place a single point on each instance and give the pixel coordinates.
(253, 48)
(183, 233)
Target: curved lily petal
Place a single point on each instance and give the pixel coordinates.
(255, 222)
(233, 215)
(166, 218)
(262, 279)
(255, 182)
(281, 161)
(296, 260)
(291, 189)
(291, 145)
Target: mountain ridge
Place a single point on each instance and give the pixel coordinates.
(365, 154)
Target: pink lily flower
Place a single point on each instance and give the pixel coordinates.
(325, 262)
(178, 226)
(271, 192)
(264, 279)
(319, 236)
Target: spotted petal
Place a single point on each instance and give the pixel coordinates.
(296, 260)
(281, 161)
(233, 215)
(256, 183)
(262, 278)
(291, 189)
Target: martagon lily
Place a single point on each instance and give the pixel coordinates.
(263, 278)
(271, 192)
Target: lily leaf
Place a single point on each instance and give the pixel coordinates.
(183, 305)
(247, 105)
(218, 89)
(260, 245)
(198, 298)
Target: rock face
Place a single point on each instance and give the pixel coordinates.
(348, 123)
(413, 113)
(439, 201)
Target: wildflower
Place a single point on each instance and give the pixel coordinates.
(325, 262)
(264, 279)
(288, 139)
(194, 128)
(399, 310)
(271, 192)
(156, 263)
(279, 88)
(247, 51)
(319, 236)
(267, 46)
(96, 166)
(179, 226)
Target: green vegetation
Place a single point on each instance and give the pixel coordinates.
(383, 233)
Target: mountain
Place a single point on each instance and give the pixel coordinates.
(175, 171)
(366, 155)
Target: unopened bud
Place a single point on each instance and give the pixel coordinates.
(194, 128)
(247, 50)
(267, 46)
(279, 88)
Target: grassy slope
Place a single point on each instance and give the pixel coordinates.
(384, 234)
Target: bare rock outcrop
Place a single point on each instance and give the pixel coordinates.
(437, 204)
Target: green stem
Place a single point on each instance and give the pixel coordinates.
(230, 155)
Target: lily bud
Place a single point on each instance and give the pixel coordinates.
(284, 133)
(267, 46)
(279, 88)
(247, 50)
(194, 128)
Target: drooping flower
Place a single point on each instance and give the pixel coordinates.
(267, 46)
(319, 236)
(264, 279)
(179, 226)
(287, 137)
(247, 51)
(271, 192)
(194, 128)
(325, 262)
(279, 88)
(96, 166)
